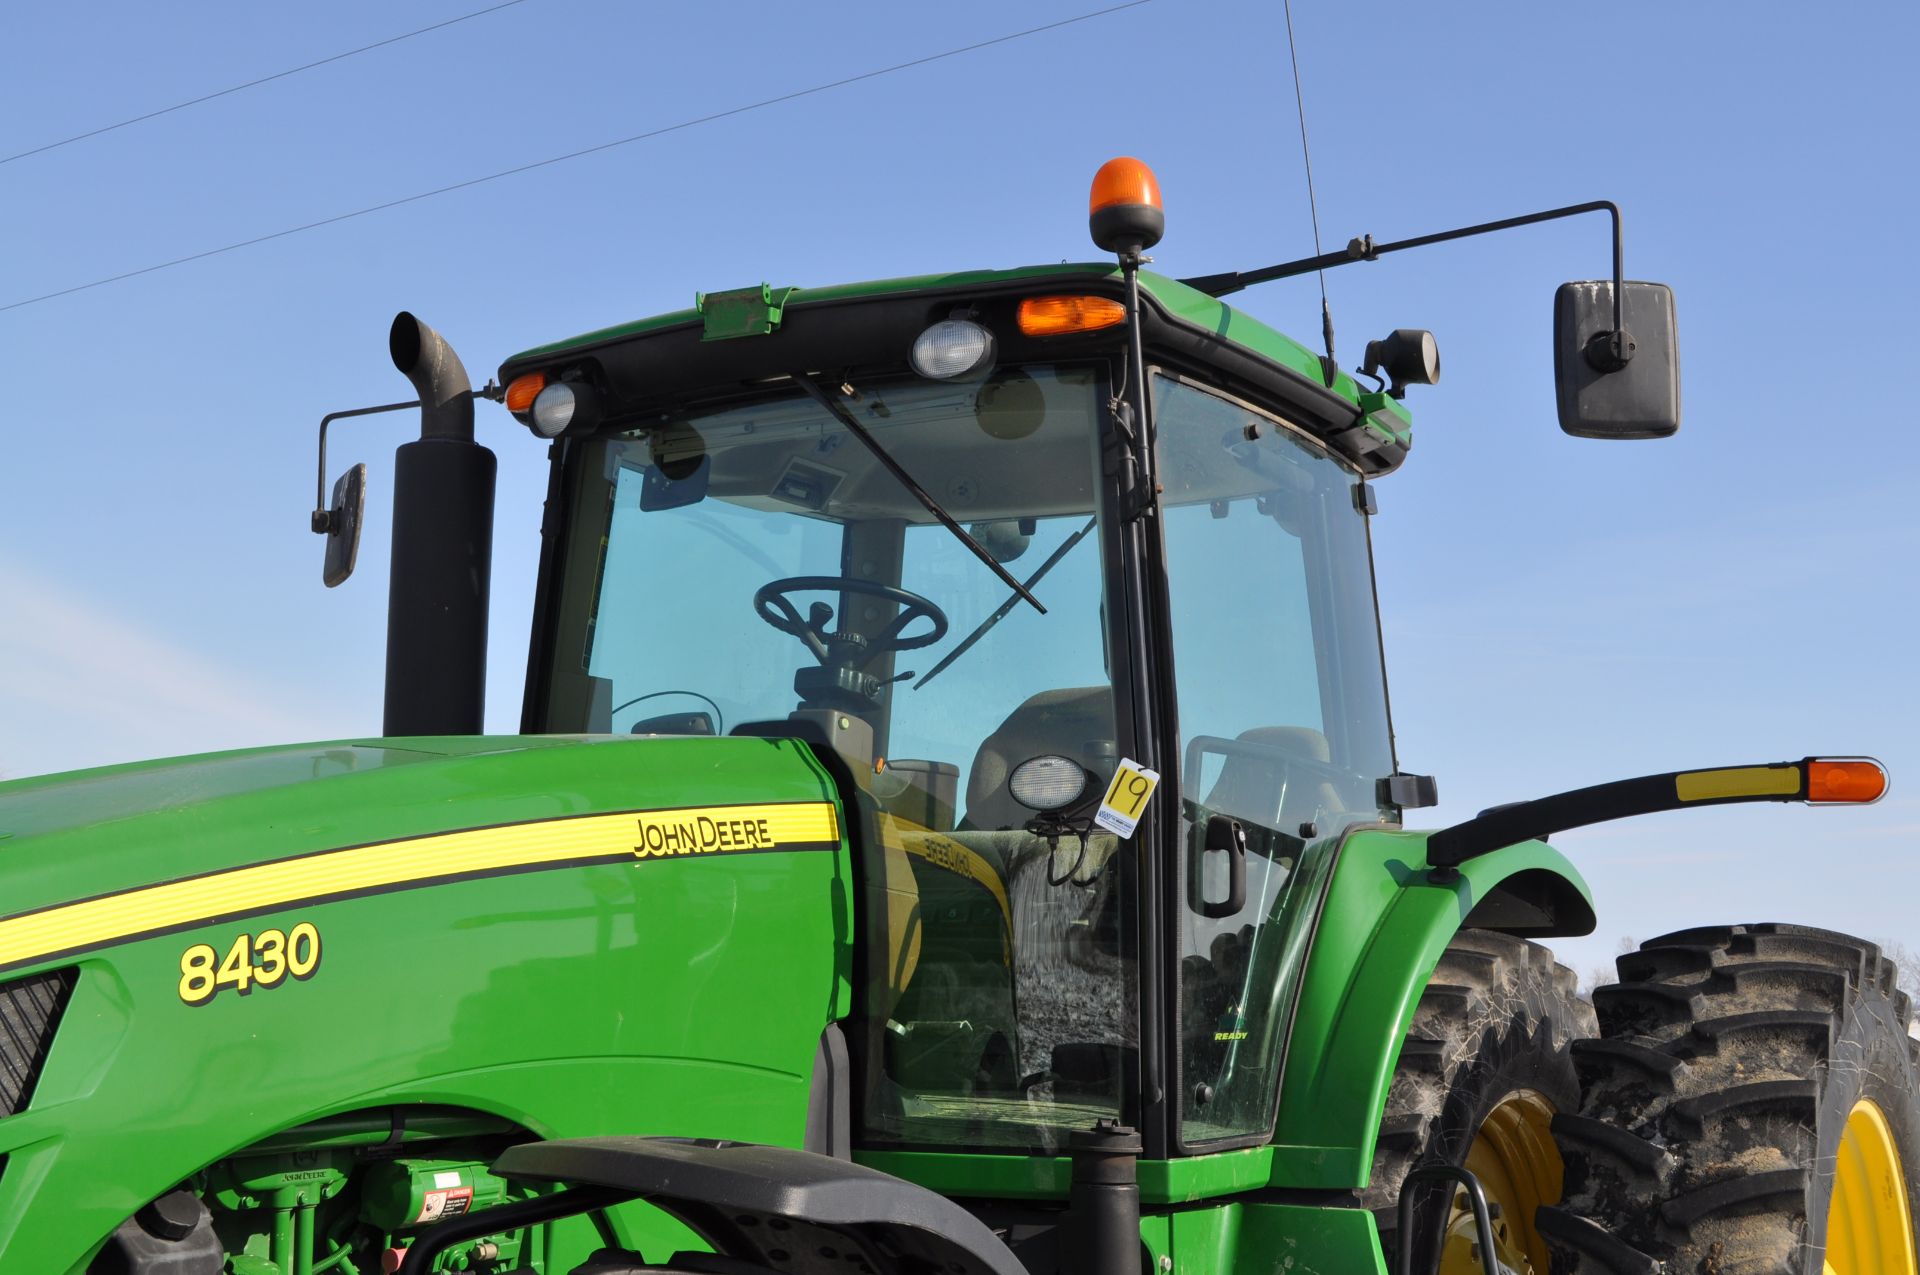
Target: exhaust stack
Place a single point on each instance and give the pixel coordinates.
(442, 548)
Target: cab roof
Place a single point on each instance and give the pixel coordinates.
(1370, 427)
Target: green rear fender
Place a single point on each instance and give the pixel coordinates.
(1380, 934)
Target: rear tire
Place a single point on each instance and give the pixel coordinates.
(1484, 1066)
(1744, 1072)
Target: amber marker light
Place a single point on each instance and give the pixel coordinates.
(1853, 781)
(523, 391)
(1056, 316)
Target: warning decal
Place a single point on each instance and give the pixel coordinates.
(444, 1204)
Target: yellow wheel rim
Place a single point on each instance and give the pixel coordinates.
(1869, 1227)
(1519, 1167)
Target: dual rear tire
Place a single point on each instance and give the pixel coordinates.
(1747, 1103)
(1752, 1107)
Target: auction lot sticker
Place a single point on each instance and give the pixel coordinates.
(1126, 797)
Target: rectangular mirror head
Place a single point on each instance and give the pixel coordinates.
(700, 723)
(1639, 400)
(343, 528)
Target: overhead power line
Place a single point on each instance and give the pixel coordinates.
(250, 84)
(570, 155)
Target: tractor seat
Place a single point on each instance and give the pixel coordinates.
(1250, 787)
(1074, 722)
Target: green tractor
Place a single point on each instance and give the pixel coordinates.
(956, 829)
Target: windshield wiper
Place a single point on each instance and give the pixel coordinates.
(1001, 614)
(919, 493)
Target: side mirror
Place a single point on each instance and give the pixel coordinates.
(700, 723)
(1609, 388)
(343, 519)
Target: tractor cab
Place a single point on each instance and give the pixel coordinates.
(917, 523)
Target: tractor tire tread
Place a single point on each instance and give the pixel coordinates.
(1498, 1013)
(1729, 1060)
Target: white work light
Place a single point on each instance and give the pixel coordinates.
(952, 348)
(1047, 783)
(562, 406)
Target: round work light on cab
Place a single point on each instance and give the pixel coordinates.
(1123, 212)
(1408, 356)
(952, 349)
(564, 407)
(1047, 782)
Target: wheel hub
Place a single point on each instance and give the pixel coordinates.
(1520, 1169)
(1869, 1231)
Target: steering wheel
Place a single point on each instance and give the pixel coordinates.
(850, 650)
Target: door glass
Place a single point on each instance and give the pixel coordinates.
(1283, 724)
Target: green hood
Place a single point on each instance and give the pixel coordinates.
(90, 832)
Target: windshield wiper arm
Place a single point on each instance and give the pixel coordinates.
(919, 493)
(1001, 614)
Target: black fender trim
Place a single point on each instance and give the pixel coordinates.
(774, 1206)
(1533, 903)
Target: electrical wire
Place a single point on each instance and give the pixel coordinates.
(571, 155)
(265, 79)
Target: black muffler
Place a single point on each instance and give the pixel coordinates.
(442, 549)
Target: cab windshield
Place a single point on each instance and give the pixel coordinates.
(757, 561)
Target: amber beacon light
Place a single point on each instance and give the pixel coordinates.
(1123, 211)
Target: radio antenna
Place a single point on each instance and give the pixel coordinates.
(1328, 367)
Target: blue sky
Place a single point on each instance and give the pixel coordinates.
(1558, 612)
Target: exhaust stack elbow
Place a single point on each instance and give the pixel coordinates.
(437, 593)
(446, 395)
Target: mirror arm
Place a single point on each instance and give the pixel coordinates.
(1365, 249)
(322, 519)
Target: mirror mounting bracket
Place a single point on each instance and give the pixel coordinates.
(1366, 249)
(322, 520)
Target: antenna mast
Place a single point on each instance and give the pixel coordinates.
(1328, 367)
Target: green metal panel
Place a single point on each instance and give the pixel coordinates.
(1292, 1239)
(1204, 1177)
(1380, 935)
(1207, 1239)
(1303, 1240)
(680, 995)
(742, 312)
(1156, 1234)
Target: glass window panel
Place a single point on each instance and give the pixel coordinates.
(1283, 724)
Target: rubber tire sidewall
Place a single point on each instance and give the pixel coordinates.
(1514, 1038)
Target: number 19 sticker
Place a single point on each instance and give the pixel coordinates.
(1126, 797)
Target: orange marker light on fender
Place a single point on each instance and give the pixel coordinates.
(1123, 211)
(1056, 316)
(1854, 781)
(523, 391)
